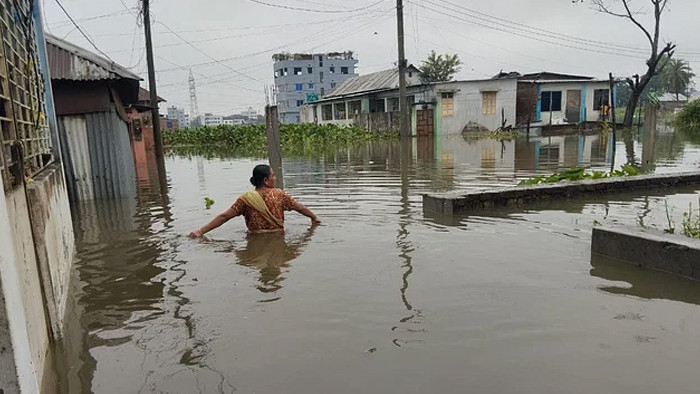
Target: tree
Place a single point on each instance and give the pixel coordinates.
(654, 64)
(440, 68)
(677, 77)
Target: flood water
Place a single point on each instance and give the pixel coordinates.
(381, 298)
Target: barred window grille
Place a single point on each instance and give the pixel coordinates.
(24, 134)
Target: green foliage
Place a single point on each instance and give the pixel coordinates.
(208, 202)
(579, 174)
(252, 139)
(688, 119)
(691, 223)
(439, 68)
(676, 77)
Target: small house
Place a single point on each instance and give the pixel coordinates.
(547, 98)
(372, 101)
(90, 94)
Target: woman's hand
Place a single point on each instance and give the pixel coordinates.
(196, 234)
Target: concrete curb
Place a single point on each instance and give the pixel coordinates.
(451, 203)
(652, 249)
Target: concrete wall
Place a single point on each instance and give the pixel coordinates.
(53, 239)
(653, 249)
(36, 239)
(21, 282)
(468, 102)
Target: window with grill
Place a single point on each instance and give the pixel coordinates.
(25, 147)
(344, 70)
(297, 71)
(551, 101)
(393, 104)
(488, 103)
(448, 104)
(601, 97)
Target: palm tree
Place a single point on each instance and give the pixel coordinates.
(677, 77)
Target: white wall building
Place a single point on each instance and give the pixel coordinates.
(179, 114)
(213, 120)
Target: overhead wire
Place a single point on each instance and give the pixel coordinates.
(530, 36)
(81, 30)
(315, 10)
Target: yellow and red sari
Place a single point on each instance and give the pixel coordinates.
(264, 210)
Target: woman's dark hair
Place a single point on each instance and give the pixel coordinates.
(260, 172)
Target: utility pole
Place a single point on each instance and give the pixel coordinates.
(403, 100)
(613, 117)
(155, 115)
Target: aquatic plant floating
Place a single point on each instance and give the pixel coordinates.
(208, 202)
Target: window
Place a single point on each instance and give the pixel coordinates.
(448, 104)
(311, 86)
(488, 106)
(601, 97)
(333, 85)
(299, 86)
(310, 70)
(327, 112)
(355, 107)
(376, 105)
(393, 104)
(344, 70)
(331, 70)
(551, 101)
(300, 103)
(297, 71)
(321, 76)
(285, 72)
(340, 112)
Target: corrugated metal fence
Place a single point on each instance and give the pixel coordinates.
(97, 156)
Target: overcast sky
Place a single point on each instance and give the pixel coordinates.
(488, 36)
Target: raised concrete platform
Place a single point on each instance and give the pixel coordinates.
(653, 249)
(451, 203)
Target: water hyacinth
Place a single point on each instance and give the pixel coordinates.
(253, 138)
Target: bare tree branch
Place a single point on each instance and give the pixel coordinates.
(654, 44)
(603, 8)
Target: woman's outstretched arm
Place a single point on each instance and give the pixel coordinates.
(219, 220)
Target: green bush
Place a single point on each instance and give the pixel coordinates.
(689, 117)
(253, 138)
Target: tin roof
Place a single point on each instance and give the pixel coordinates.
(382, 80)
(71, 62)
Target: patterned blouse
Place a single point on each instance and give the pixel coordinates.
(276, 200)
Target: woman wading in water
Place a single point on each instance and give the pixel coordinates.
(263, 208)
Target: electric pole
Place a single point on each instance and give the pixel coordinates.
(403, 100)
(155, 115)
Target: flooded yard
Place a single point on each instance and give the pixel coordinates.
(382, 298)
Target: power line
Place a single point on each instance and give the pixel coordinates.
(529, 35)
(221, 63)
(81, 31)
(302, 39)
(92, 18)
(286, 7)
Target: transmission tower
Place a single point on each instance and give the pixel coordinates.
(195, 121)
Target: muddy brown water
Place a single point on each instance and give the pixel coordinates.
(380, 298)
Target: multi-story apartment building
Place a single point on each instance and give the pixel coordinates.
(303, 78)
(213, 120)
(179, 115)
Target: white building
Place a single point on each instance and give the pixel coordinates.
(250, 113)
(179, 114)
(213, 120)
